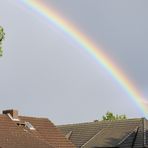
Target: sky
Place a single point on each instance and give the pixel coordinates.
(44, 74)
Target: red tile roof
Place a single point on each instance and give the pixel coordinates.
(15, 134)
(47, 131)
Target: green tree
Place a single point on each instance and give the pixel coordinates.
(110, 116)
(2, 35)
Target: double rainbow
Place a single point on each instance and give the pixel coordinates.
(101, 58)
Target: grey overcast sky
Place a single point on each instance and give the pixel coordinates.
(42, 74)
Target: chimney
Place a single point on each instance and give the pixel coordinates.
(12, 112)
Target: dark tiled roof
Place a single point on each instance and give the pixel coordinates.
(121, 133)
(45, 135)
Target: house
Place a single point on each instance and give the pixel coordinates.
(129, 133)
(29, 132)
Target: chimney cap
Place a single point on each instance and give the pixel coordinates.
(12, 112)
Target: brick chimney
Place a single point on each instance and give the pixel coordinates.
(12, 112)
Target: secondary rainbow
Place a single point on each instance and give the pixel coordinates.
(86, 44)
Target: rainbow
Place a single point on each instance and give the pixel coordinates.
(86, 44)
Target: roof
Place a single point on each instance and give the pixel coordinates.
(47, 131)
(42, 133)
(119, 133)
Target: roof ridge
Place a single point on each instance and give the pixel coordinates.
(135, 129)
(70, 124)
(102, 121)
(96, 135)
(93, 137)
(136, 132)
(33, 117)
